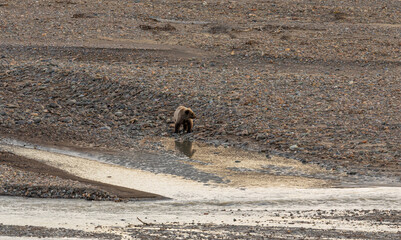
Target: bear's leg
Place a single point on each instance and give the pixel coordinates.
(177, 127)
(190, 125)
(186, 125)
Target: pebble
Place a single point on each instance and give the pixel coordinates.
(243, 133)
(66, 119)
(71, 101)
(261, 136)
(118, 114)
(53, 105)
(105, 128)
(37, 119)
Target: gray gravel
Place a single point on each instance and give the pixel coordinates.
(43, 232)
(211, 231)
(15, 182)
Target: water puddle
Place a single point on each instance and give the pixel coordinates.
(193, 166)
(240, 168)
(217, 166)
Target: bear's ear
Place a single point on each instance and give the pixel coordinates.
(186, 112)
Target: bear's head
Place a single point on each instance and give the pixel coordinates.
(189, 114)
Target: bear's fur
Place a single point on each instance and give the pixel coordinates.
(183, 116)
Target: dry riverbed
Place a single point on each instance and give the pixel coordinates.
(317, 82)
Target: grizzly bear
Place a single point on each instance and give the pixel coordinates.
(183, 116)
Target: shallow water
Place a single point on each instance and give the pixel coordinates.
(240, 168)
(210, 165)
(218, 193)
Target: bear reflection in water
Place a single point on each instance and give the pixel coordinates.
(185, 147)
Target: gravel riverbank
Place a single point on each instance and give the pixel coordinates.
(20, 176)
(278, 76)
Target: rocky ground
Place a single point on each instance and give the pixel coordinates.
(226, 231)
(315, 80)
(206, 231)
(210, 231)
(59, 233)
(309, 224)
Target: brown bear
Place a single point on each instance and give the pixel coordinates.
(184, 116)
